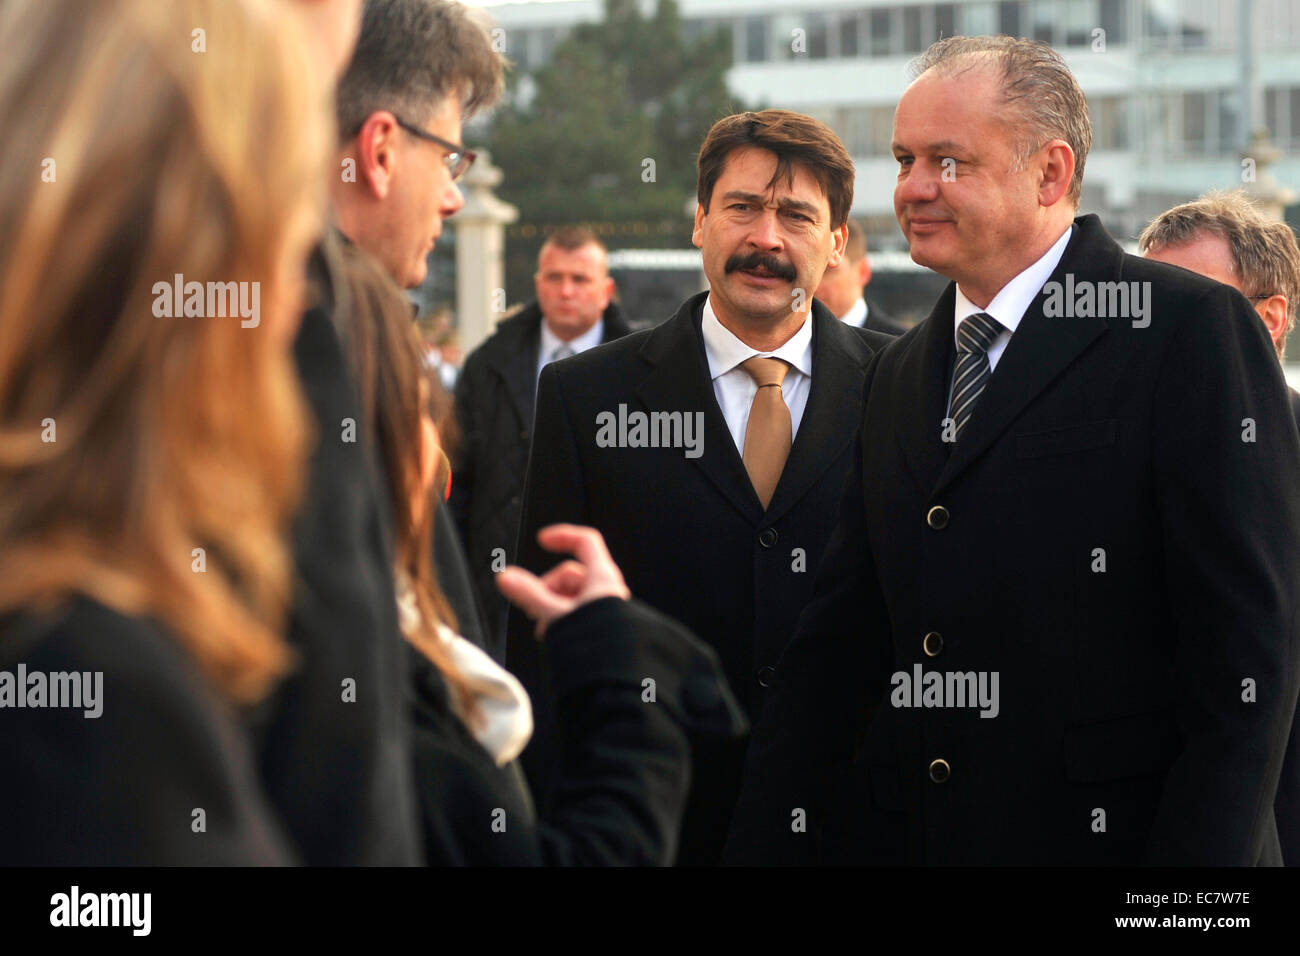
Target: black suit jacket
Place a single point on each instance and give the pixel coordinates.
(120, 789)
(494, 408)
(689, 533)
(1144, 708)
(878, 320)
(619, 794)
(338, 772)
(1287, 805)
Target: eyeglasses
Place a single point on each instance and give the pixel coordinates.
(1255, 297)
(458, 158)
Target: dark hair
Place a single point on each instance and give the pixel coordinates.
(794, 138)
(413, 54)
(1043, 97)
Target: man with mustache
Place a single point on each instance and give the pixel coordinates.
(1092, 506)
(725, 535)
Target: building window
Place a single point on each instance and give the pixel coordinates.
(1011, 18)
(1194, 138)
(1227, 105)
(848, 29)
(756, 44)
(979, 19)
(1080, 18)
(882, 32)
(1109, 122)
(1113, 17)
(818, 26)
(1041, 25)
(945, 22)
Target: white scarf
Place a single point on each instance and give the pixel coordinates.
(505, 714)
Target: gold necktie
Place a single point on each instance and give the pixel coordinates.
(768, 434)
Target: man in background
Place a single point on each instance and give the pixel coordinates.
(843, 289)
(1222, 236)
(495, 397)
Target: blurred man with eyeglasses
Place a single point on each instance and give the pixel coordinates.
(411, 84)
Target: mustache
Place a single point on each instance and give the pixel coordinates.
(757, 260)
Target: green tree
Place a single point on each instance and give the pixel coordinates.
(610, 132)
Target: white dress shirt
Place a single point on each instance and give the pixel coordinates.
(733, 387)
(857, 315)
(1009, 305)
(550, 342)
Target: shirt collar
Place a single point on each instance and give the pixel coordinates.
(1010, 304)
(589, 339)
(725, 351)
(856, 315)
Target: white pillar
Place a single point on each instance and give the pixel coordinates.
(480, 253)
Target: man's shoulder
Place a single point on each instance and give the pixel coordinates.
(874, 341)
(509, 335)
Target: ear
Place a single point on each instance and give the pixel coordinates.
(839, 239)
(1055, 165)
(608, 289)
(376, 153)
(1273, 311)
(864, 272)
(697, 235)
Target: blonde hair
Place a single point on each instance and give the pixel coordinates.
(167, 151)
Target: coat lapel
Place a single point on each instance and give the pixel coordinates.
(923, 389)
(833, 411)
(680, 381)
(1040, 350)
(517, 367)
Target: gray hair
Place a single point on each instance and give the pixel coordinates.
(412, 55)
(1265, 255)
(1045, 100)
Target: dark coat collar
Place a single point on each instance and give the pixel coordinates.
(680, 381)
(1038, 352)
(512, 352)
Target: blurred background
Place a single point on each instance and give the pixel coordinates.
(609, 101)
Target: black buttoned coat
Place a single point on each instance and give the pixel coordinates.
(689, 533)
(1117, 534)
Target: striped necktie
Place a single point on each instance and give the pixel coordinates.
(974, 336)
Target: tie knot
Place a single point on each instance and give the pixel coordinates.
(563, 352)
(977, 332)
(766, 371)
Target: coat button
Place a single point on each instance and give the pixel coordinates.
(937, 518)
(932, 644)
(523, 436)
(514, 500)
(765, 675)
(767, 537)
(940, 771)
